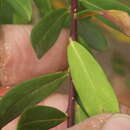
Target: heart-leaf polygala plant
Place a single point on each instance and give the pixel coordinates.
(94, 94)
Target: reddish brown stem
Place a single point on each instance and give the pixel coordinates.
(71, 106)
(74, 6)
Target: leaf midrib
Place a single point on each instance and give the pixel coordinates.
(81, 62)
(43, 121)
(48, 31)
(85, 70)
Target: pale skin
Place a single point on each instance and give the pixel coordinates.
(60, 63)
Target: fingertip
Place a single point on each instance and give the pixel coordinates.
(59, 101)
(93, 123)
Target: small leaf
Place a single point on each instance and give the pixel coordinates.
(46, 32)
(21, 7)
(44, 6)
(120, 18)
(40, 118)
(92, 86)
(92, 34)
(107, 5)
(27, 94)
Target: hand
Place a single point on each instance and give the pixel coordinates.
(18, 59)
(99, 122)
(56, 56)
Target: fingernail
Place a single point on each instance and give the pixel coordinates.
(117, 122)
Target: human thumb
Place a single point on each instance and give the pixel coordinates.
(105, 122)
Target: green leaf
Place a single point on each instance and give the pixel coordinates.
(80, 115)
(46, 32)
(44, 6)
(5, 19)
(105, 5)
(21, 7)
(92, 34)
(41, 118)
(92, 86)
(27, 94)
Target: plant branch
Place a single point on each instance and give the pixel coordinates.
(74, 6)
(71, 106)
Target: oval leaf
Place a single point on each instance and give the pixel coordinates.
(105, 5)
(27, 94)
(40, 118)
(92, 35)
(21, 7)
(93, 88)
(46, 32)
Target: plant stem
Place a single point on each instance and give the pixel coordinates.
(74, 6)
(71, 106)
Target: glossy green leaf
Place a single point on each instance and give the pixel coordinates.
(92, 86)
(21, 7)
(80, 115)
(44, 6)
(92, 35)
(27, 94)
(46, 32)
(40, 118)
(105, 5)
